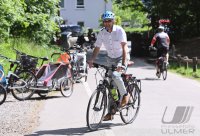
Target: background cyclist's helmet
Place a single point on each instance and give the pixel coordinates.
(108, 15)
(161, 27)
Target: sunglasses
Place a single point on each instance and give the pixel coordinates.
(105, 21)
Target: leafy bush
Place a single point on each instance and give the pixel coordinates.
(32, 19)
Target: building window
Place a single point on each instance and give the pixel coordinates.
(80, 4)
(81, 23)
(61, 3)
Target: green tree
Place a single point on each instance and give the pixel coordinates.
(134, 16)
(184, 15)
(32, 19)
(11, 11)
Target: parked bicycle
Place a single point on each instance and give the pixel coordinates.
(78, 62)
(28, 62)
(99, 99)
(3, 93)
(18, 82)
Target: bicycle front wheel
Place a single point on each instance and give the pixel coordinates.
(86, 72)
(96, 109)
(129, 113)
(23, 93)
(3, 94)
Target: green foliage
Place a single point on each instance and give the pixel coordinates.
(136, 18)
(32, 19)
(11, 11)
(133, 4)
(184, 15)
(185, 72)
(137, 30)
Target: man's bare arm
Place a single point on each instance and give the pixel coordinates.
(94, 55)
(124, 52)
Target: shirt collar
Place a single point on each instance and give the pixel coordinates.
(113, 29)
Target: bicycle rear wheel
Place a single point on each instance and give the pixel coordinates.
(3, 94)
(23, 93)
(66, 87)
(129, 113)
(96, 109)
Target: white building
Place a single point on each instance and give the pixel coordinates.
(84, 12)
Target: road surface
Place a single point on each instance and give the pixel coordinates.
(178, 96)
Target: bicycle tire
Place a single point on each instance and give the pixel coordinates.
(164, 71)
(24, 93)
(86, 72)
(132, 108)
(42, 94)
(97, 103)
(66, 87)
(3, 94)
(164, 74)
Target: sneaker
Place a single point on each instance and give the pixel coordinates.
(108, 117)
(125, 100)
(158, 74)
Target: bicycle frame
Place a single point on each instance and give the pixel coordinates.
(161, 63)
(108, 84)
(12, 76)
(102, 97)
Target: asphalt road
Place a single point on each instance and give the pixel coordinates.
(177, 95)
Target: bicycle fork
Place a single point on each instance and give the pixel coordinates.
(101, 94)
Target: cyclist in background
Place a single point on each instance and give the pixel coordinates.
(114, 39)
(163, 42)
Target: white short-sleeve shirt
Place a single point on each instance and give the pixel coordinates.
(112, 41)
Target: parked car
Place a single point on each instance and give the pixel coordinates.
(76, 30)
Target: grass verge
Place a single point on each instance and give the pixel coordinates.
(185, 72)
(23, 45)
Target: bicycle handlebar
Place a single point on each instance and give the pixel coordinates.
(96, 65)
(152, 48)
(22, 53)
(10, 60)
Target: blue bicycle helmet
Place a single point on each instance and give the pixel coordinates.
(108, 15)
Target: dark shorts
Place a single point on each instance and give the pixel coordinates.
(162, 51)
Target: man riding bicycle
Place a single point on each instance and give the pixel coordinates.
(114, 39)
(163, 41)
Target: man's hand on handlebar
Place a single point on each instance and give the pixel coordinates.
(152, 47)
(121, 68)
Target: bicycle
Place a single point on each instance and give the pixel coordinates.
(28, 62)
(78, 58)
(161, 65)
(98, 101)
(18, 82)
(3, 93)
